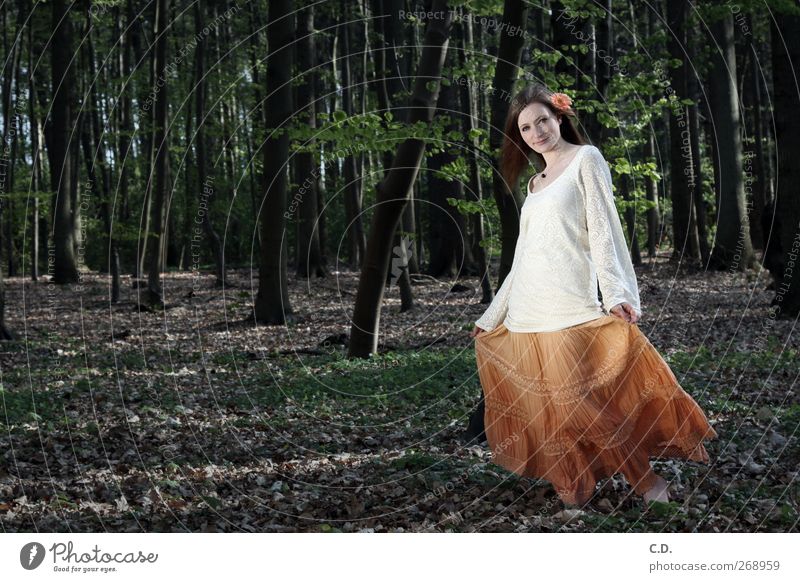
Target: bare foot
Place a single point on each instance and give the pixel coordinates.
(658, 492)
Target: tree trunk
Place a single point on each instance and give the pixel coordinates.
(682, 184)
(785, 56)
(205, 182)
(161, 145)
(700, 211)
(309, 255)
(257, 119)
(96, 162)
(446, 223)
(605, 42)
(65, 267)
(469, 106)
(755, 169)
(651, 186)
(5, 333)
(389, 83)
(393, 191)
(125, 119)
(37, 150)
(352, 177)
(11, 121)
(272, 301)
(189, 251)
(146, 132)
(732, 247)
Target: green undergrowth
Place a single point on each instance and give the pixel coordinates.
(419, 384)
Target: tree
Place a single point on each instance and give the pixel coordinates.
(205, 185)
(469, 120)
(352, 162)
(161, 143)
(65, 267)
(272, 301)
(95, 157)
(394, 190)
(785, 56)
(309, 253)
(732, 247)
(447, 226)
(5, 333)
(683, 185)
(508, 197)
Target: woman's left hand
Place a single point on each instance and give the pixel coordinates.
(625, 311)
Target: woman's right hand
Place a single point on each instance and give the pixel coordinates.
(476, 330)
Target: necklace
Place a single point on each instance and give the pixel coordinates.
(544, 174)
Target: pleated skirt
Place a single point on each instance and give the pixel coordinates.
(587, 402)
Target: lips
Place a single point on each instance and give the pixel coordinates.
(541, 142)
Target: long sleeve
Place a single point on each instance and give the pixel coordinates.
(498, 308)
(607, 244)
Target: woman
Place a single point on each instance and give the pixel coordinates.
(574, 393)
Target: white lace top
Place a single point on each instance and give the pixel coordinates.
(570, 237)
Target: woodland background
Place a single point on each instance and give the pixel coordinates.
(243, 245)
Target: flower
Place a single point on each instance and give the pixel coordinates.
(561, 100)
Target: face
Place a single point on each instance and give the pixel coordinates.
(539, 127)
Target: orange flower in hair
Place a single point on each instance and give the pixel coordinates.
(561, 101)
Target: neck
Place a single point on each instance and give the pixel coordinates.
(555, 153)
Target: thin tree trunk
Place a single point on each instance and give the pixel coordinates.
(309, 255)
(682, 184)
(475, 187)
(755, 168)
(97, 158)
(352, 176)
(446, 223)
(190, 238)
(125, 119)
(700, 211)
(161, 146)
(36, 152)
(205, 184)
(651, 186)
(148, 147)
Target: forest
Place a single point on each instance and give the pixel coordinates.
(243, 244)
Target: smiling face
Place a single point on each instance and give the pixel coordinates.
(539, 127)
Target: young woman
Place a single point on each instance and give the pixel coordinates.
(574, 393)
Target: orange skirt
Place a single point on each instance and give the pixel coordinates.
(583, 403)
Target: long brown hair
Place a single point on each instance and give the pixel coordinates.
(515, 154)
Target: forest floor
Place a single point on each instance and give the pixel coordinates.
(194, 419)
